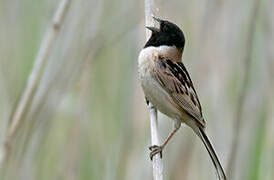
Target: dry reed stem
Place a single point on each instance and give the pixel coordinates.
(33, 80)
(243, 92)
(157, 163)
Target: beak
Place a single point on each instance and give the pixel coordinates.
(153, 29)
(157, 19)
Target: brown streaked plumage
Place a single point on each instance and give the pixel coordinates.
(175, 79)
(168, 86)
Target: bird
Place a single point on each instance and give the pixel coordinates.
(167, 85)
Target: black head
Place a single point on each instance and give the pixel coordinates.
(168, 34)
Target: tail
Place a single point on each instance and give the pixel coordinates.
(221, 174)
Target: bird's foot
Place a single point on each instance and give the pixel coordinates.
(155, 150)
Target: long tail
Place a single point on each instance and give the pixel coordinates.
(212, 153)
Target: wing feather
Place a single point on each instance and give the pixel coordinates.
(174, 78)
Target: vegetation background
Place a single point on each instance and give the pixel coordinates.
(87, 118)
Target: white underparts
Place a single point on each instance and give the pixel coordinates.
(152, 89)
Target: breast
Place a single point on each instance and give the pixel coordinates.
(152, 89)
(146, 60)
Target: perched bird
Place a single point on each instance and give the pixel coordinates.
(168, 86)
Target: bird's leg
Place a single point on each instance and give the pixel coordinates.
(155, 149)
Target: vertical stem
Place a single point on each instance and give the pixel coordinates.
(243, 93)
(33, 80)
(157, 163)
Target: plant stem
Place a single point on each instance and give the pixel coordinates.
(243, 93)
(157, 163)
(34, 78)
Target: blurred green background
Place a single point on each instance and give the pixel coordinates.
(88, 118)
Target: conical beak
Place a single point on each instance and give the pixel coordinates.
(157, 19)
(154, 29)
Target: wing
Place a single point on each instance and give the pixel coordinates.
(174, 78)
